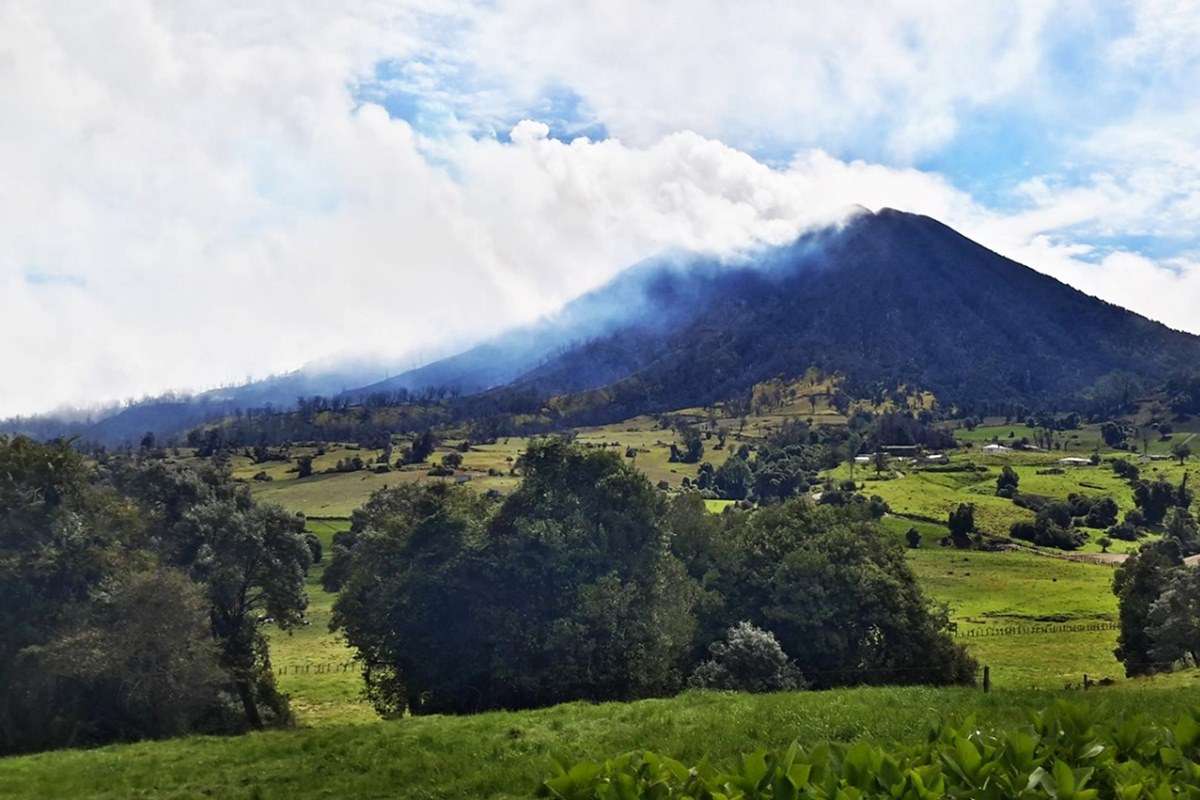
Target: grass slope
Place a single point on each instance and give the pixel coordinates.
(505, 754)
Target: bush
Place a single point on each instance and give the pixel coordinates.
(1102, 514)
(962, 524)
(315, 548)
(748, 660)
(1125, 532)
(1006, 484)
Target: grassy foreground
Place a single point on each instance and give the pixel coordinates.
(506, 754)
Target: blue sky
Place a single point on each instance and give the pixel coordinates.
(391, 179)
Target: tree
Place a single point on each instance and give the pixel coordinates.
(1174, 618)
(567, 591)
(1180, 528)
(733, 479)
(913, 538)
(1102, 513)
(452, 460)
(1138, 583)
(1007, 482)
(693, 447)
(422, 447)
(143, 660)
(304, 466)
(1113, 434)
(251, 561)
(1104, 543)
(880, 461)
(103, 639)
(839, 597)
(962, 524)
(748, 659)
(1154, 498)
(1182, 451)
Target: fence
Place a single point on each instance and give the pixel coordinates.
(1023, 630)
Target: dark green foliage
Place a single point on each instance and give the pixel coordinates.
(125, 598)
(748, 659)
(304, 466)
(1138, 583)
(1068, 752)
(1102, 514)
(734, 479)
(1054, 524)
(1113, 433)
(586, 584)
(962, 524)
(1046, 533)
(422, 447)
(1155, 498)
(1125, 532)
(838, 596)
(315, 548)
(1125, 469)
(1007, 482)
(251, 561)
(693, 447)
(913, 538)
(1180, 527)
(1174, 619)
(138, 662)
(567, 591)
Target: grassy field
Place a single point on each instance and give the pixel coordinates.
(506, 754)
(931, 493)
(314, 667)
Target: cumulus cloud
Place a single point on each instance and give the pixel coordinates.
(198, 195)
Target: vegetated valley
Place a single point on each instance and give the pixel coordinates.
(881, 482)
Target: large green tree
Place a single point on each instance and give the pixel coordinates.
(567, 590)
(1138, 583)
(838, 595)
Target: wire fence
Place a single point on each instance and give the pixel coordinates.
(1026, 630)
(316, 668)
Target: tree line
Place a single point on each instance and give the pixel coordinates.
(586, 583)
(132, 598)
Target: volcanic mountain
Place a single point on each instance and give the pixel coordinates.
(884, 298)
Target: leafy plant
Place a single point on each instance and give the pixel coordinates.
(1064, 753)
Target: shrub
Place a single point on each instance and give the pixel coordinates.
(315, 548)
(1069, 751)
(962, 524)
(913, 538)
(1102, 514)
(1125, 532)
(1006, 484)
(749, 659)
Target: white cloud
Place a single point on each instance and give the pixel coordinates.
(766, 73)
(195, 195)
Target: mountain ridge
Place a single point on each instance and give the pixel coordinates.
(884, 298)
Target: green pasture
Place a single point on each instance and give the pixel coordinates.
(504, 755)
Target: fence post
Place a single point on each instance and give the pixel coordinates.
(987, 678)
(1087, 683)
